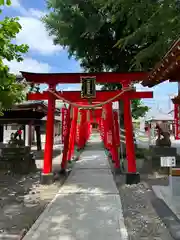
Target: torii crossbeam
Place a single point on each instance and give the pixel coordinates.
(74, 97)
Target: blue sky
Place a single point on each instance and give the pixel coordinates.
(43, 56)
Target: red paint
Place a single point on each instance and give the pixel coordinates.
(49, 136)
(101, 96)
(19, 132)
(108, 125)
(104, 123)
(77, 135)
(66, 140)
(111, 138)
(64, 123)
(177, 121)
(101, 129)
(72, 133)
(130, 148)
(116, 125)
(82, 131)
(103, 77)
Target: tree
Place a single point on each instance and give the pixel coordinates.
(11, 91)
(151, 25)
(87, 30)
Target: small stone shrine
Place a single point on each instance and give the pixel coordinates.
(16, 157)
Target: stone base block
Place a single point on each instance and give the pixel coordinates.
(47, 179)
(132, 178)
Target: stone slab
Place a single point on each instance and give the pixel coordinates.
(168, 209)
(80, 217)
(95, 181)
(173, 202)
(87, 207)
(89, 159)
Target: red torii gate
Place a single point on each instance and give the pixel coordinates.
(53, 79)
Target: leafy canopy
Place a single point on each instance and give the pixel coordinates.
(114, 35)
(152, 26)
(10, 90)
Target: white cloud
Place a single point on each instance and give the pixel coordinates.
(29, 65)
(31, 12)
(15, 3)
(35, 35)
(69, 87)
(73, 87)
(140, 88)
(19, 7)
(36, 13)
(33, 30)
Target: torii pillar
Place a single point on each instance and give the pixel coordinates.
(132, 177)
(47, 175)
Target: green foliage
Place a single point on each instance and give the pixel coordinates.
(10, 90)
(82, 27)
(151, 25)
(115, 35)
(138, 109)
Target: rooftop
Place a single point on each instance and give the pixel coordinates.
(167, 69)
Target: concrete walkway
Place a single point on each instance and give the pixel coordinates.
(87, 207)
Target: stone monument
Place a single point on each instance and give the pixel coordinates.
(16, 157)
(163, 139)
(162, 148)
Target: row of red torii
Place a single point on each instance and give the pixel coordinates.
(77, 130)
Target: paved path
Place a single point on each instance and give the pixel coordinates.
(87, 207)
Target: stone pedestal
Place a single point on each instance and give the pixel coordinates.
(47, 179)
(155, 155)
(17, 159)
(174, 181)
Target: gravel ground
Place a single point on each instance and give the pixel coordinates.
(22, 199)
(140, 217)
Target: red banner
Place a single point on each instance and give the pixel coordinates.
(177, 121)
(82, 129)
(77, 135)
(101, 128)
(72, 133)
(116, 129)
(64, 112)
(66, 133)
(108, 125)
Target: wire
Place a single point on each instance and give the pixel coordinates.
(94, 105)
